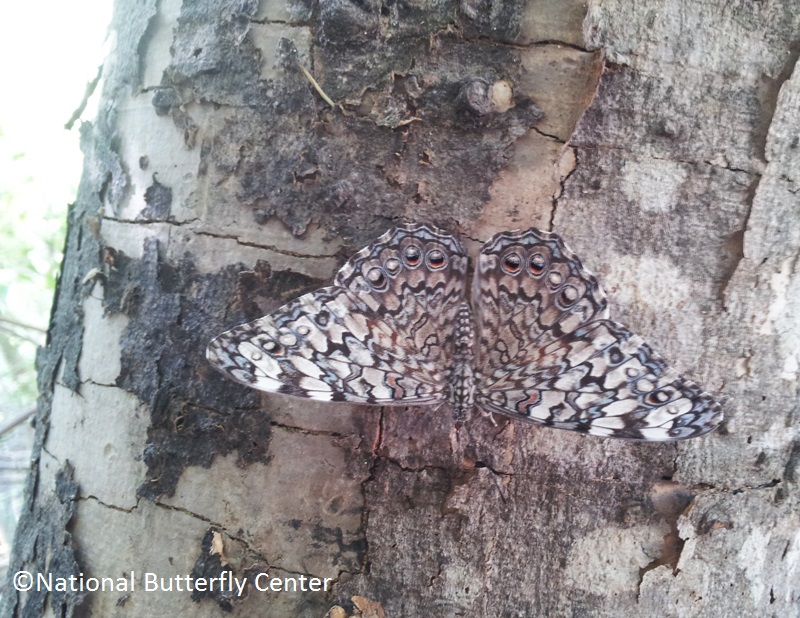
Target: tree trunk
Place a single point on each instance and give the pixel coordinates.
(659, 139)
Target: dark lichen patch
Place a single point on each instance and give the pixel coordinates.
(213, 60)
(351, 552)
(209, 565)
(261, 290)
(492, 19)
(183, 434)
(174, 312)
(390, 65)
(165, 99)
(347, 166)
(158, 200)
(348, 22)
(352, 24)
(212, 55)
(44, 544)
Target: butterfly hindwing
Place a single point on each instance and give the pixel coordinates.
(548, 354)
(378, 335)
(604, 380)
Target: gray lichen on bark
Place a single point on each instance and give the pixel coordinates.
(218, 184)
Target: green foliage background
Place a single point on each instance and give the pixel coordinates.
(31, 239)
(44, 78)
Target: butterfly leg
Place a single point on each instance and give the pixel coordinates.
(489, 415)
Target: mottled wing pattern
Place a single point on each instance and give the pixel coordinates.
(381, 334)
(414, 281)
(529, 290)
(547, 352)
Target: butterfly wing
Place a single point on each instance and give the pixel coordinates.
(549, 354)
(381, 334)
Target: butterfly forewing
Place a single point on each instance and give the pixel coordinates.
(548, 354)
(528, 290)
(381, 334)
(423, 274)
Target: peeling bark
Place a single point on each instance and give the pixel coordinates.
(219, 184)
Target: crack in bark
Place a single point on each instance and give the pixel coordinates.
(364, 524)
(557, 43)
(770, 106)
(716, 490)
(555, 138)
(521, 46)
(751, 196)
(379, 435)
(282, 22)
(398, 464)
(483, 465)
(562, 187)
(767, 485)
(170, 222)
(306, 431)
(267, 247)
(99, 384)
(185, 511)
(49, 454)
(107, 505)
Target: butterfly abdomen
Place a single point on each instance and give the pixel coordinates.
(461, 375)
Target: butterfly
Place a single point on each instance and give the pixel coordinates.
(535, 344)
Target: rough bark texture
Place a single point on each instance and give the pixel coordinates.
(660, 139)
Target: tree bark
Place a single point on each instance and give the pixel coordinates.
(659, 139)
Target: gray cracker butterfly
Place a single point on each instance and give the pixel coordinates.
(395, 329)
